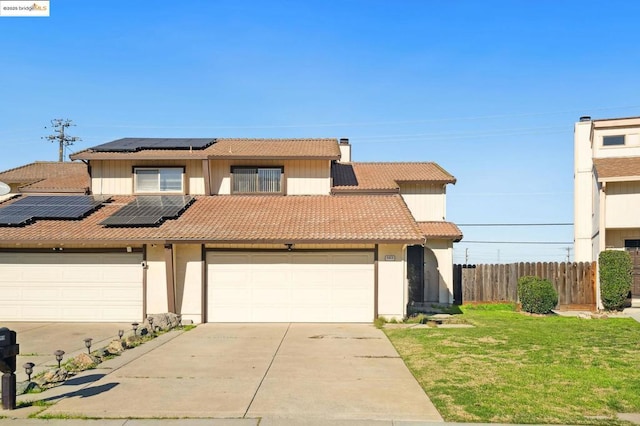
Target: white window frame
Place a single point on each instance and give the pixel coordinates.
(157, 189)
(258, 183)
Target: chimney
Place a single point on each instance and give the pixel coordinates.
(345, 150)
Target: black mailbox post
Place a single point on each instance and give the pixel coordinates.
(9, 349)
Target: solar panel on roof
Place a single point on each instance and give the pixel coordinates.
(28, 209)
(138, 144)
(149, 210)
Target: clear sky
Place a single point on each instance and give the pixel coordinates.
(490, 90)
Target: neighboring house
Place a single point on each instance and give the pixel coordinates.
(48, 177)
(607, 189)
(230, 230)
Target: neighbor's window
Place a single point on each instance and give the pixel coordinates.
(165, 179)
(613, 140)
(252, 180)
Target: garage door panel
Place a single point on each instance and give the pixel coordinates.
(290, 287)
(70, 287)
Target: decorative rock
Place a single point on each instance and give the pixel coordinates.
(25, 387)
(584, 316)
(52, 377)
(115, 347)
(164, 322)
(84, 361)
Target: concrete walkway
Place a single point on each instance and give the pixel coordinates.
(239, 373)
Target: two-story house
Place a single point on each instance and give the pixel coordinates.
(230, 230)
(607, 189)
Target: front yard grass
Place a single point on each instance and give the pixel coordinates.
(516, 368)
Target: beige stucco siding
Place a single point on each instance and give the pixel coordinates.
(188, 281)
(425, 201)
(116, 177)
(623, 205)
(392, 286)
(156, 280)
(302, 177)
(631, 145)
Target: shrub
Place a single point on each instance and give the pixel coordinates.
(537, 295)
(615, 278)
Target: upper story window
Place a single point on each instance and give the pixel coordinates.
(158, 179)
(257, 180)
(613, 140)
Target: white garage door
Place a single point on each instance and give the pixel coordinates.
(88, 287)
(290, 287)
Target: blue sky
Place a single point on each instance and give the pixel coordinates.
(490, 90)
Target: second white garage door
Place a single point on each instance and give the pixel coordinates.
(91, 287)
(290, 287)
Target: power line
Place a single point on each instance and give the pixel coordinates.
(59, 125)
(517, 242)
(517, 224)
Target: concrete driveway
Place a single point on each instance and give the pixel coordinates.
(38, 341)
(277, 371)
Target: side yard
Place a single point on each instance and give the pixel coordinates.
(516, 368)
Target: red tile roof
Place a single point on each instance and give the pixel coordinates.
(435, 230)
(243, 219)
(44, 176)
(348, 177)
(232, 148)
(618, 167)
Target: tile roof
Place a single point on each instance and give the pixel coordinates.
(276, 148)
(618, 167)
(440, 230)
(232, 148)
(243, 219)
(349, 177)
(45, 176)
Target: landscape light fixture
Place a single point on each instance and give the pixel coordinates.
(87, 343)
(120, 334)
(150, 319)
(59, 353)
(134, 325)
(28, 369)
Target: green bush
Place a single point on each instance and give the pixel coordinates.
(615, 278)
(537, 295)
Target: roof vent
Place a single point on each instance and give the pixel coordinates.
(585, 118)
(344, 141)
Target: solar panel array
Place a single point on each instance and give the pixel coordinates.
(149, 210)
(25, 211)
(138, 144)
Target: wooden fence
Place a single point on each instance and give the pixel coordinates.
(575, 282)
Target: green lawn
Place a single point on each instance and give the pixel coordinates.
(516, 368)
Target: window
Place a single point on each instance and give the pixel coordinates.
(252, 180)
(613, 140)
(166, 179)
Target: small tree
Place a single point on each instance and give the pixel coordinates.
(615, 278)
(536, 295)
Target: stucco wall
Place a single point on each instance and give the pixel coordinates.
(156, 280)
(443, 251)
(188, 281)
(392, 284)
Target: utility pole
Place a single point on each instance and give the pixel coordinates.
(466, 256)
(568, 254)
(59, 125)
